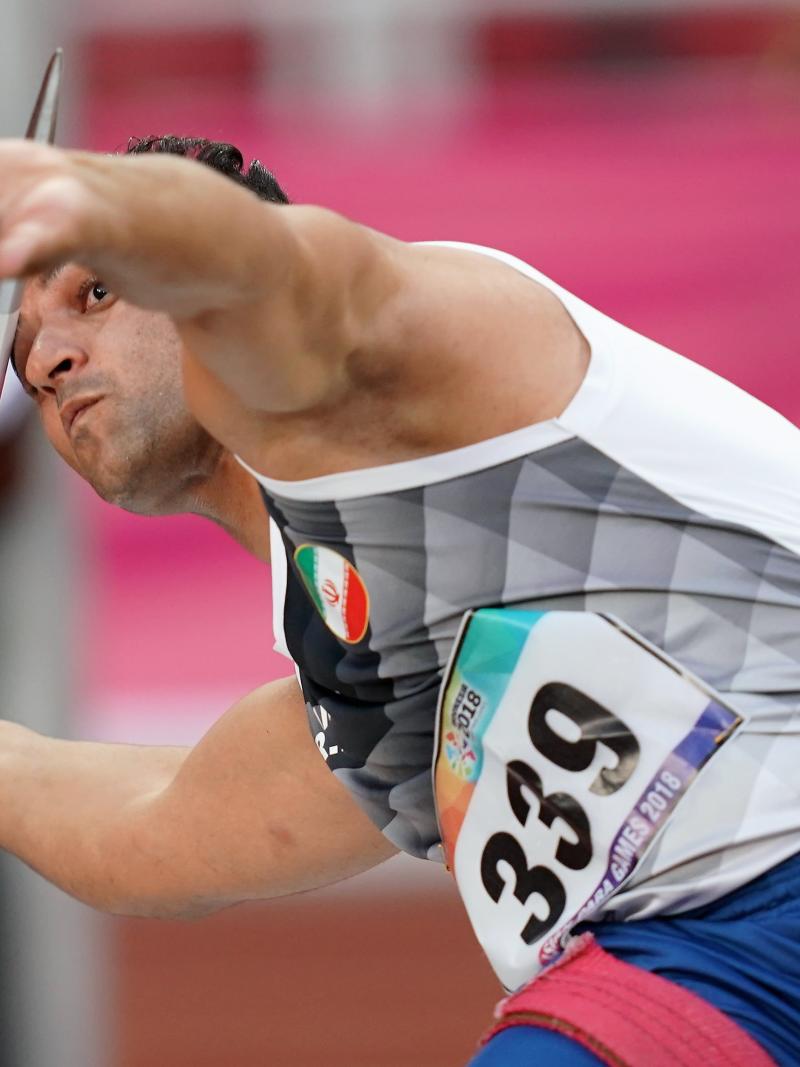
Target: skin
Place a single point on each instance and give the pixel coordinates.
(135, 443)
(300, 341)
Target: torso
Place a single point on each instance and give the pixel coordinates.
(660, 493)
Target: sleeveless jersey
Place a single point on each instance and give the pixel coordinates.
(663, 495)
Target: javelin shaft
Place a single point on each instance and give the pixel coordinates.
(10, 300)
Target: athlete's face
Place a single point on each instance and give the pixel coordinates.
(106, 378)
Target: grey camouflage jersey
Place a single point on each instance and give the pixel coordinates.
(563, 528)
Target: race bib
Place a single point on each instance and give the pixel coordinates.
(565, 743)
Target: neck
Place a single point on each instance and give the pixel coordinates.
(230, 497)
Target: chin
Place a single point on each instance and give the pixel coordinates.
(147, 474)
(121, 496)
(126, 488)
(151, 488)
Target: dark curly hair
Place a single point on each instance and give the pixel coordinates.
(225, 158)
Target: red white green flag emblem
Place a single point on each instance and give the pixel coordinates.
(337, 590)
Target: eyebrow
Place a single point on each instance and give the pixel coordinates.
(50, 276)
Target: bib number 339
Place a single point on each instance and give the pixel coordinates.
(565, 744)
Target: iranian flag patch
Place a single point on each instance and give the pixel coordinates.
(337, 590)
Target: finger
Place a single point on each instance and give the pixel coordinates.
(43, 228)
(22, 251)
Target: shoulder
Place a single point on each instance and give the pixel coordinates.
(470, 347)
(434, 347)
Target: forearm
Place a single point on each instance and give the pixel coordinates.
(250, 812)
(255, 813)
(74, 811)
(273, 300)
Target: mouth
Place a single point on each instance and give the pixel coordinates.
(73, 412)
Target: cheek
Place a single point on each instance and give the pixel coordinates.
(147, 366)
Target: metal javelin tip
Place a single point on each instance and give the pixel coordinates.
(42, 126)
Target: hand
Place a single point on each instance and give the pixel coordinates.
(160, 230)
(46, 211)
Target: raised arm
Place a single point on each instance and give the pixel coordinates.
(273, 300)
(361, 349)
(251, 812)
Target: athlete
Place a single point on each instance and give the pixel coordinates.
(413, 432)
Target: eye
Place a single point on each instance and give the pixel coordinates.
(95, 294)
(92, 292)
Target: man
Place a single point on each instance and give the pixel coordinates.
(432, 429)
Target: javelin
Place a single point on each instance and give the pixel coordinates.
(42, 128)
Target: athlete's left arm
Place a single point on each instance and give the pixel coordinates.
(274, 301)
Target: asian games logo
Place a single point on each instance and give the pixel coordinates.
(460, 744)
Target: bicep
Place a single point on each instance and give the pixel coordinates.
(255, 811)
(318, 284)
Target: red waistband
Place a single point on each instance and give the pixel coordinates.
(627, 1016)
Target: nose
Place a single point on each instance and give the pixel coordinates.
(53, 359)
